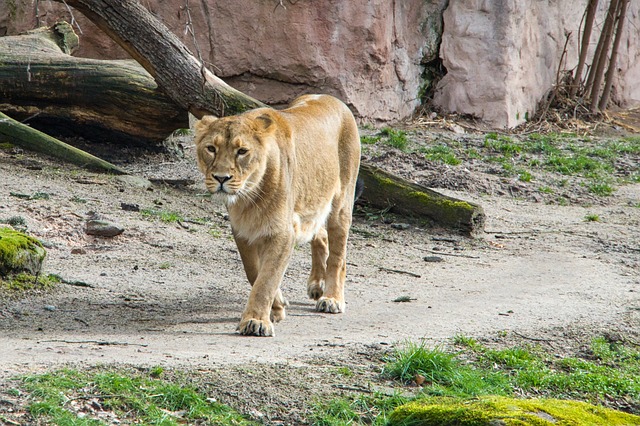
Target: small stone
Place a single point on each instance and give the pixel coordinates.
(134, 181)
(49, 308)
(78, 251)
(102, 228)
(419, 379)
(400, 226)
(433, 259)
(130, 207)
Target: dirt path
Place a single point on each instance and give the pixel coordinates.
(171, 293)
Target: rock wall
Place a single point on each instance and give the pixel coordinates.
(369, 54)
(502, 56)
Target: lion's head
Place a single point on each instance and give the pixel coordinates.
(231, 153)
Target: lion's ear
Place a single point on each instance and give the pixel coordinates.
(204, 122)
(264, 122)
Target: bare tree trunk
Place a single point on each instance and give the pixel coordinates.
(178, 73)
(614, 55)
(584, 47)
(605, 38)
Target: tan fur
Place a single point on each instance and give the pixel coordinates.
(285, 176)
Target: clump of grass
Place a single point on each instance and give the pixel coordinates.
(24, 282)
(369, 140)
(592, 217)
(525, 176)
(395, 138)
(133, 397)
(600, 187)
(442, 154)
(345, 371)
(502, 144)
(163, 215)
(576, 164)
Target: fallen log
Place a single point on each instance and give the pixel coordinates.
(386, 191)
(115, 101)
(24, 136)
(192, 86)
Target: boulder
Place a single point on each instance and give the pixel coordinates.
(19, 253)
(502, 56)
(496, 411)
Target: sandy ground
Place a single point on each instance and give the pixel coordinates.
(171, 294)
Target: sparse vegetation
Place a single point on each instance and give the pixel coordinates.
(607, 371)
(395, 138)
(441, 153)
(163, 215)
(596, 165)
(592, 217)
(66, 397)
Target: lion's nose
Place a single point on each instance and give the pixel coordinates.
(221, 178)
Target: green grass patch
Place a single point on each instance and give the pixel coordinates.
(24, 282)
(600, 187)
(525, 176)
(133, 397)
(395, 138)
(163, 215)
(592, 217)
(612, 370)
(576, 164)
(369, 140)
(441, 154)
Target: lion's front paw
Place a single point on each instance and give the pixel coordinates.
(314, 290)
(255, 327)
(330, 305)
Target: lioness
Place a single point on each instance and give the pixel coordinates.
(286, 177)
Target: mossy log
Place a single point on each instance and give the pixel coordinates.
(19, 253)
(114, 101)
(34, 140)
(496, 410)
(383, 190)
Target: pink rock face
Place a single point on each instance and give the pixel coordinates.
(366, 53)
(502, 57)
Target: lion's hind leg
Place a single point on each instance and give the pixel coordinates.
(319, 254)
(332, 300)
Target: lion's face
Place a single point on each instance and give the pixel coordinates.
(231, 155)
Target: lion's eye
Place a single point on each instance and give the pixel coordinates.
(211, 149)
(242, 151)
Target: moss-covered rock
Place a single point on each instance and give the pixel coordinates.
(19, 253)
(501, 411)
